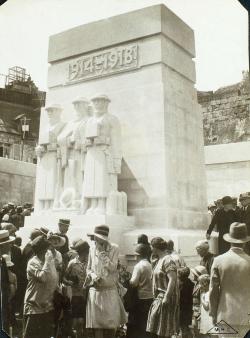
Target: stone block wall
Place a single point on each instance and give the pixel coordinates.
(17, 181)
(226, 117)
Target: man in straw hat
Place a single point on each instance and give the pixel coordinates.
(48, 158)
(5, 244)
(222, 219)
(229, 287)
(105, 310)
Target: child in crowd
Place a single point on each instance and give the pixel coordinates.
(196, 273)
(75, 276)
(206, 322)
(186, 301)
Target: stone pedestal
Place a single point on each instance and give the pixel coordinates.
(81, 225)
(143, 61)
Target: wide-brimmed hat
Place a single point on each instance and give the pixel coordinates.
(11, 204)
(5, 237)
(43, 231)
(8, 261)
(64, 221)
(199, 270)
(10, 227)
(100, 97)
(54, 106)
(227, 200)
(244, 196)
(35, 233)
(237, 233)
(60, 240)
(80, 245)
(40, 243)
(80, 99)
(102, 232)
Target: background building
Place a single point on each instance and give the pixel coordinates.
(20, 106)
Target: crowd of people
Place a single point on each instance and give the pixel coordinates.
(61, 289)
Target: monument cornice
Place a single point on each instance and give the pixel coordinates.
(122, 28)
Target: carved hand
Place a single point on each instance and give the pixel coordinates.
(117, 163)
(39, 151)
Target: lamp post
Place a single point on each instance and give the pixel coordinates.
(25, 129)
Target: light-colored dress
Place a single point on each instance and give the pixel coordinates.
(206, 322)
(105, 309)
(163, 319)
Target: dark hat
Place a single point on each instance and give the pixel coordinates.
(227, 200)
(142, 250)
(43, 231)
(19, 208)
(81, 245)
(142, 239)
(40, 243)
(35, 233)
(5, 237)
(244, 196)
(102, 232)
(27, 205)
(183, 272)
(64, 221)
(237, 233)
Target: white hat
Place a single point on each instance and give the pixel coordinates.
(54, 106)
(8, 261)
(5, 238)
(80, 99)
(100, 97)
(6, 217)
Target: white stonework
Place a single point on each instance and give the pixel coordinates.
(155, 101)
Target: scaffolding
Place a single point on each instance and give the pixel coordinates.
(16, 75)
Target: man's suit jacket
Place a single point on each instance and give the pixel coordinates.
(229, 294)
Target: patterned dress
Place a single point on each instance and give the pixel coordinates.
(163, 319)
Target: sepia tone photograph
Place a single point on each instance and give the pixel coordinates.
(124, 169)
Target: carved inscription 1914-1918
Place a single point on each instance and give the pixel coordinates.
(103, 63)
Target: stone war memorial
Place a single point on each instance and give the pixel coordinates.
(121, 139)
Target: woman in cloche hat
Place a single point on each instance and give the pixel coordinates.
(105, 310)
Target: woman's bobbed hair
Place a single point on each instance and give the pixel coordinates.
(159, 243)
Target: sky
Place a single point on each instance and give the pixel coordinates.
(220, 28)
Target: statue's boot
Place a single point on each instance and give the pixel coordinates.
(93, 206)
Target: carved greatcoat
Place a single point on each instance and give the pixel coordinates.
(47, 167)
(102, 163)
